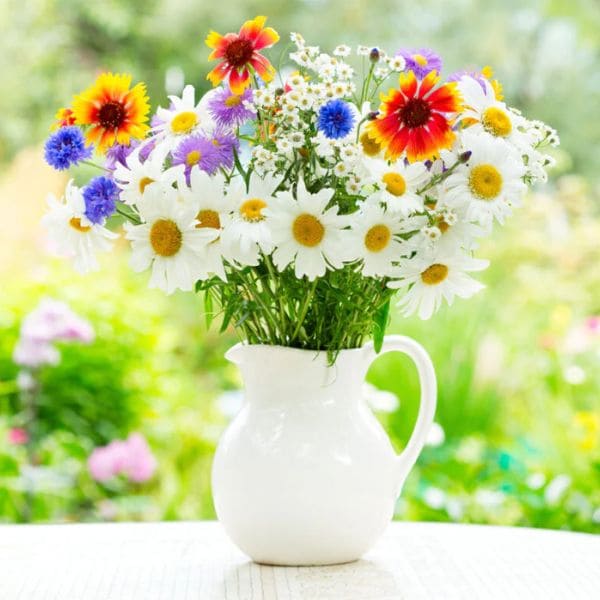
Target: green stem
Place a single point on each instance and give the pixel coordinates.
(128, 215)
(89, 163)
(304, 309)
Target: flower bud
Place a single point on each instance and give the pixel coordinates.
(372, 115)
(465, 156)
(374, 55)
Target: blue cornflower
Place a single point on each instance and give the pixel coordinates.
(336, 119)
(66, 147)
(100, 196)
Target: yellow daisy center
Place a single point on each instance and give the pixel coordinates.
(193, 158)
(232, 101)
(378, 238)
(144, 181)
(485, 182)
(420, 59)
(308, 230)
(75, 223)
(165, 237)
(208, 218)
(443, 226)
(434, 274)
(184, 122)
(251, 210)
(496, 121)
(370, 146)
(395, 184)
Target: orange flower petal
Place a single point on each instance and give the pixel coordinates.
(212, 39)
(266, 38)
(239, 81)
(263, 67)
(218, 73)
(250, 30)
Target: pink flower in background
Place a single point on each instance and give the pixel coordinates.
(33, 353)
(17, 436)
(592, 324)
(131, 457)
(51, 321)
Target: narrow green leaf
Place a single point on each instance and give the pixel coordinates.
(380, 322)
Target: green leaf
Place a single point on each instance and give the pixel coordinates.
(380, 322)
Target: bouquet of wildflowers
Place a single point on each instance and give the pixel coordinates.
(299, 200)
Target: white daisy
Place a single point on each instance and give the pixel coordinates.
(213, 211)
(451, 230)
(306, 233)
(72, 234)
(433, 276)
(168, 240)
(397, 184)
(133, 178)
(490, 114)
(373, 238)
(184, 117)
(248, 233)
(342, 50)
(489, 183)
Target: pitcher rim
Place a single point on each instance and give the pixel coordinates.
(289, 349)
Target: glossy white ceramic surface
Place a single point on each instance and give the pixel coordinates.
(305, 474)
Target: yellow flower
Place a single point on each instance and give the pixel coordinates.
(588, 426)
(115, 112)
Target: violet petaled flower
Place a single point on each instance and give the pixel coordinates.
(229, 109)
(476, 75)
(421, 62)
(100, 196)
(66, 148)
(117, 154)
(197, 150)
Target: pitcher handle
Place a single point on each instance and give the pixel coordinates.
(400, 343)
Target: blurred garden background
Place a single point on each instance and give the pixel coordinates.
(517, 439)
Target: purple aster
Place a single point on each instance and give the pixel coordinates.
(336, 119)
(66, 147)
(229, 109)
(421, 62)
(117, 154)
(200, 151)
(100, 196)
(477, 76)
(226, 143)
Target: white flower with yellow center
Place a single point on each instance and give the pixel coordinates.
(213, 212)
(307, 233)
(184, 117)
(449, 231)
(489, 183)
(248, 233)
(483, 112)
(133, 178)
(168, 240)
(432, 276)
(397, 184)
(374, 238)
(71, 234)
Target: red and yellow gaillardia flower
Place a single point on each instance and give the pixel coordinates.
(240, 54)
(115, 111)
(416, 118)
(64, 118)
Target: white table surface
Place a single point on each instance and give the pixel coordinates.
(177, 561)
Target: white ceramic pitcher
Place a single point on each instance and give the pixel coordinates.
(305, 474)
